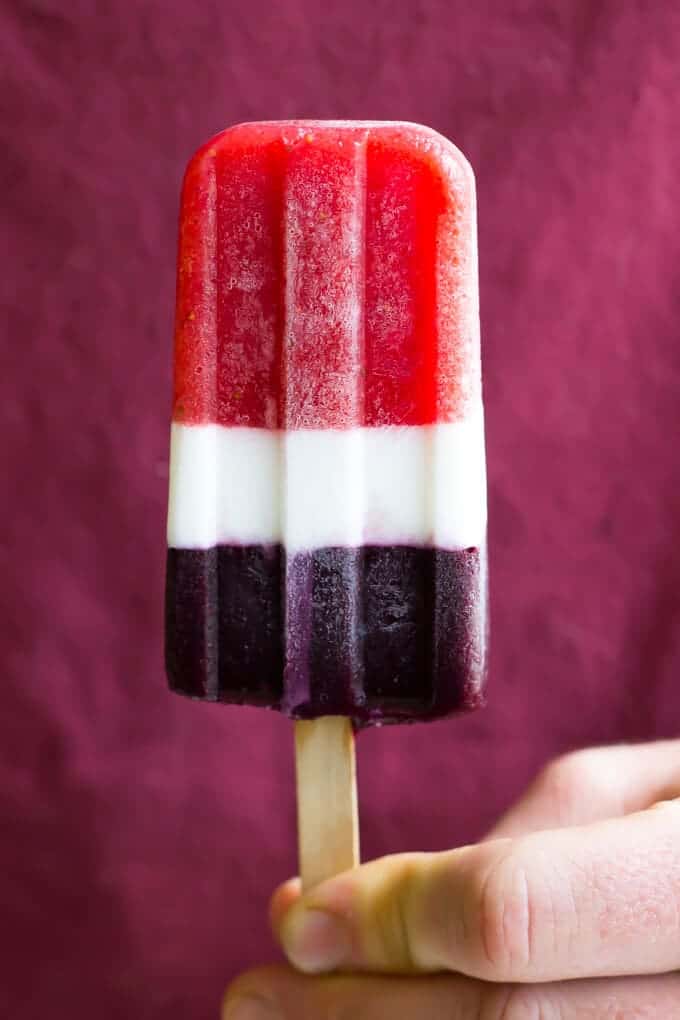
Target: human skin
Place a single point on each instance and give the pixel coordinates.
(570, 908)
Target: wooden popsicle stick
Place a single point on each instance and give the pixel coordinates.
(328, 821)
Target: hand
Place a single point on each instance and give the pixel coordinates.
(580, 880)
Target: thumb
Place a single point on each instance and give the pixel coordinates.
(599, 900)
(376, 917)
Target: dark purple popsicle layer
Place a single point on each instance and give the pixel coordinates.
(379, 633)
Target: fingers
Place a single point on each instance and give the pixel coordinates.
(591, 785)
(598, 900)
(277, 993)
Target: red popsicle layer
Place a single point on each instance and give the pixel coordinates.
(326, 279)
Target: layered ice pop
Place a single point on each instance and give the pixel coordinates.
(327, 514)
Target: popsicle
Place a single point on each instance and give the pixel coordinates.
(327, 511)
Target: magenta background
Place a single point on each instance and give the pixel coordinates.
(141, 834)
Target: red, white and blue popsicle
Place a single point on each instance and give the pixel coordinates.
(327, 518)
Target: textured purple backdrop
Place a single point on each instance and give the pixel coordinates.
(141, 834)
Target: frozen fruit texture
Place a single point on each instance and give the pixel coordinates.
(327, 279)
(327, 515)
(387, 634)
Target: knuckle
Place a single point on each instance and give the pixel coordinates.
(522, 1003)
(239, 988)
(511, 907)
(567, 779)
(394, 918)
(248, 985)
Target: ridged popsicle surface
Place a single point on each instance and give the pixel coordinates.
(327, 515)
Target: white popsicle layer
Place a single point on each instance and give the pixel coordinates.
(415, 485)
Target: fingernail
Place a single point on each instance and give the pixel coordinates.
(248, 1008)
(315, 941)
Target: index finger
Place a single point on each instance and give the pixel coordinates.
(594, 784)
